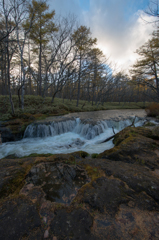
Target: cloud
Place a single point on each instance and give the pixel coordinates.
(117, 24)
(118, 34)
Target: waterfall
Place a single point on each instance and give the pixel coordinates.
(66, 136)
(87, 129)
(49, 129)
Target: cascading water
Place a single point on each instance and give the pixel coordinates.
(87, 130)
(66, 136)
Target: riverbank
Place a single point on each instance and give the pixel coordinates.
(35, 107)
(116, 115)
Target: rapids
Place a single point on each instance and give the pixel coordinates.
(67, 136)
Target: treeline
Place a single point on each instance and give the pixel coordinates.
(48, 56)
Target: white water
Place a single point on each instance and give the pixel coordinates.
(65, 137)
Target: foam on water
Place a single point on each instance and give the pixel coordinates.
(65, 137)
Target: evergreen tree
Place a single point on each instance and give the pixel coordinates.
(83, 43)
(145, 71)
(39, 33)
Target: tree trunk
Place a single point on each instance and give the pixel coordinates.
(40, 51)
(8, 75)
(79, 83)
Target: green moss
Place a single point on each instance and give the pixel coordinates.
(40, 155)
(135, 132)
(108, 152)
(80, 154)
(94, 155)
(93, 172)
(16, 181)
(149, 124)
(84, 154)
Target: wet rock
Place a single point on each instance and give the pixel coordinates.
(6, 135)
(106, 195)
(18, 218)
(72, 225)
(13, 130)
(59, 181)
(76, 143)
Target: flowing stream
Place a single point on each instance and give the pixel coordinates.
(67, 136)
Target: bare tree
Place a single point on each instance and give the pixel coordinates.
(60, 64)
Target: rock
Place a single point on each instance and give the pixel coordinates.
(19, 217)
(134, 148)
(106, 195)
(59, 181)
(54, 238)
(9, 134)
(120, 200)
(46, 233)
(75, 225)
(6, 135)
(13, 130)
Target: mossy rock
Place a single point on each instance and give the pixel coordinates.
(80, 154)
(12, 175)
(93, 172)
(134, 132)
(149, 124)
(40, 155)
(134, 149)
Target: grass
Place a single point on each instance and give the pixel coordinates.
(36, 107)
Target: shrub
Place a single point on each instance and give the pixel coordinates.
(5, 117)
(94, 155)
(63, 106)
(48, 110)
(84, 154)
(18, 112)
(30, 110)
(153, 110)
(33, 100)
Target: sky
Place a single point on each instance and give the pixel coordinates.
(119, 26)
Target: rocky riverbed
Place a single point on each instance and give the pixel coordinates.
(113, 195)
(13, 130)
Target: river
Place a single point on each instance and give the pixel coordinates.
(84, 131)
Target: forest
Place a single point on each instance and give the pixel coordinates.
(44, 55)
